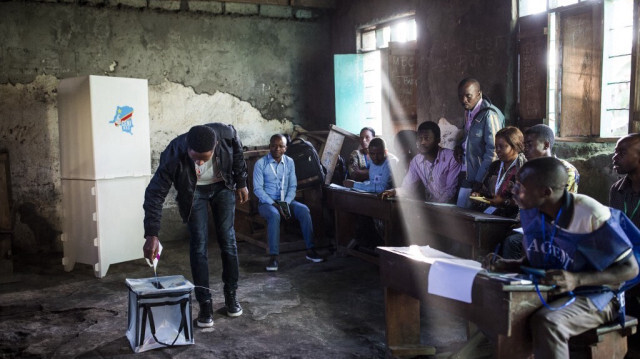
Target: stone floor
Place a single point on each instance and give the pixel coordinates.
(333, 309)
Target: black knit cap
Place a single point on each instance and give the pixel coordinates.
(201, 139)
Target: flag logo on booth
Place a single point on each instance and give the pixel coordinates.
(124, 119)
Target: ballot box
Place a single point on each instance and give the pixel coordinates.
(159, 312)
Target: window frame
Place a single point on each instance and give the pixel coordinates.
(380, 25)
(598, 8)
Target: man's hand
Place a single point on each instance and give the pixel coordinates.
(458, 152)
(476, 186)
(282, 215)
(388, 193)
(496, 201)
(348, 183)
(150, 248)
(495, 263)
(242, 194)
(564, 281)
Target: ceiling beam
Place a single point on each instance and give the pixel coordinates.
(322, 4)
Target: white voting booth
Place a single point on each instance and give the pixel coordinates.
(105, 161)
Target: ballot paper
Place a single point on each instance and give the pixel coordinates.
(449, 276)
(452, 279)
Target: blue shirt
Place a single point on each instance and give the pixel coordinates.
(267, 179)
(379, 177)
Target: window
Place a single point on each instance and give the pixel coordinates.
(588, 65)
(377, 37)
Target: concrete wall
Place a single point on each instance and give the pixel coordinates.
(458, 39)
(261, 68)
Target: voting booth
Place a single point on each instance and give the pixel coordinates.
(159, 312)
(105, 166)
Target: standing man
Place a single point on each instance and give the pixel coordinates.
(482, 121)
(206, 166)
(275, 183)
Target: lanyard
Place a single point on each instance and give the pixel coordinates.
(553, 234)
(634, 210)
(284, 164)
(500, 180)
(429, 177)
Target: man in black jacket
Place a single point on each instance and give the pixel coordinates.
(206, 166)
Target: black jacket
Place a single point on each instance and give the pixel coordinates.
(177, 168)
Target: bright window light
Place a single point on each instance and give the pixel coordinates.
(558, 3)
(529, 7)
(399, 32)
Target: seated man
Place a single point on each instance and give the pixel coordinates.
(624, 195)
(584, 247)
(380, 170)
(538, 142)
(434, 167)
(275, 183)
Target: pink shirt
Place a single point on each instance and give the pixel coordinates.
(440, 177)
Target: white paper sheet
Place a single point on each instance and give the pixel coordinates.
(452, 279)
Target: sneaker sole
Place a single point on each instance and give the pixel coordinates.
(237, 314)
(204, 325)
(315, 260)
(271, 269)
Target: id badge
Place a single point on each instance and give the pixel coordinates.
(490, 210)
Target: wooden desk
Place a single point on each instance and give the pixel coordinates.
(499, 311)
(348, 205)
(416, 222)
(479, 232)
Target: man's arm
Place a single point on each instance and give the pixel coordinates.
(239, 165)
(154, 197)
(258, 182)
(491, 126)
(620, 271)
(408, 182)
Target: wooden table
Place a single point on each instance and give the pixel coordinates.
(500, 311)
(428, 223)
(348, 204)
(416, 222)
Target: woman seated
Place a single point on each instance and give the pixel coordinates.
(501, 174)
(359, 160)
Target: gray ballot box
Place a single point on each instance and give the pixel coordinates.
(159, 312)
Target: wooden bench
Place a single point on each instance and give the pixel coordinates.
(608, 341)
(252, 228)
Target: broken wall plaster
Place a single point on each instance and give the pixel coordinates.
(29, 131)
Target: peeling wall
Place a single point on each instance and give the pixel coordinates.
(261, 74)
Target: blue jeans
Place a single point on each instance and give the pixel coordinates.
(272, 215)
(223, 204)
